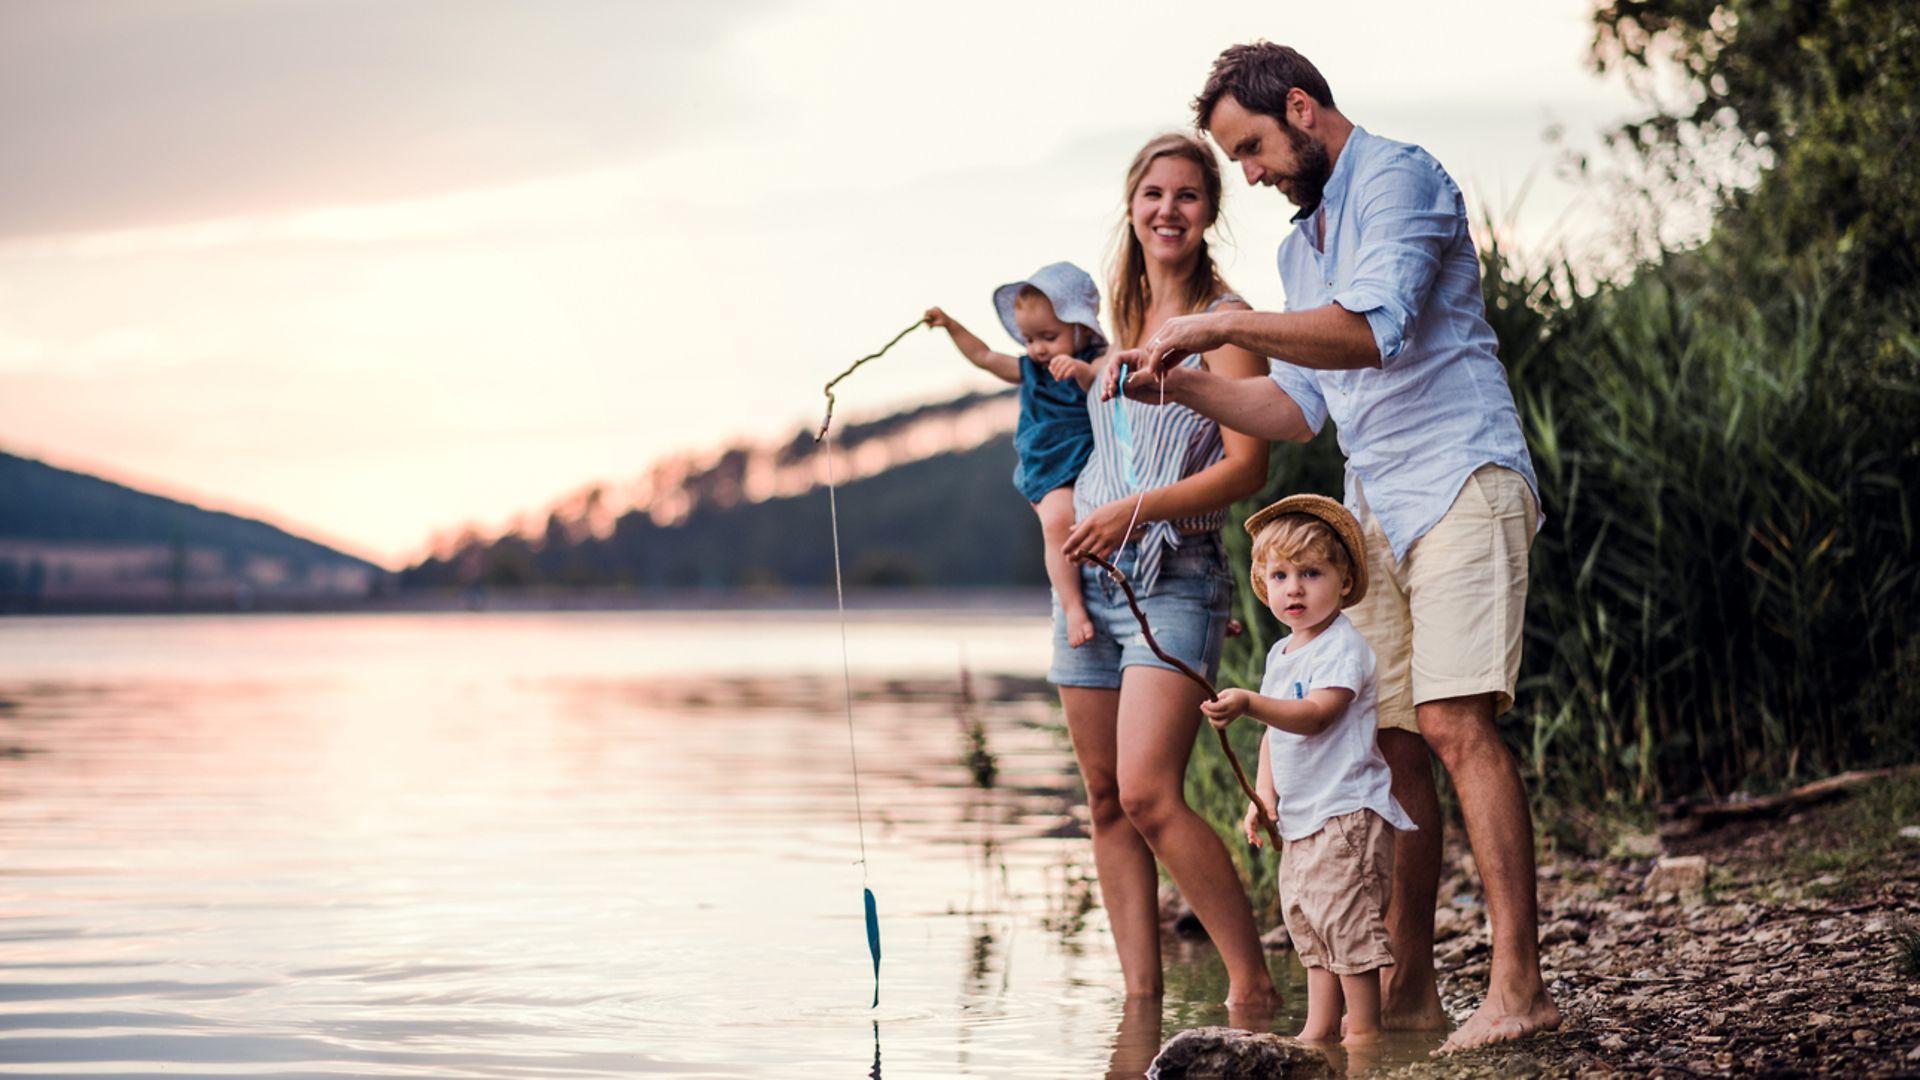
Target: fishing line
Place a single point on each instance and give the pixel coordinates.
(825, 437)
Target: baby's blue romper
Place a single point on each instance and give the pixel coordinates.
(1054, 437)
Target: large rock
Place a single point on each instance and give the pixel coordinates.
(1231, 1054)
(1680, 876)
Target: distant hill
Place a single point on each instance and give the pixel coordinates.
(70, 541)
(925, 498)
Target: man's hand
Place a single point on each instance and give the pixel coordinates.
(1140, 385)
(1224, 709)
(1180, 337)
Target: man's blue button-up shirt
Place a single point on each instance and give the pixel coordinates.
(1390, 243)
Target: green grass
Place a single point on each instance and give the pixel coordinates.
(1861, 839)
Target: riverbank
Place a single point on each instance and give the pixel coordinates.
(1796, 952)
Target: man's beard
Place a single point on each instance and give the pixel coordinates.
(1309, 179)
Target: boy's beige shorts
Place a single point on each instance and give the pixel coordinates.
(1333, 893)
(1446, 622)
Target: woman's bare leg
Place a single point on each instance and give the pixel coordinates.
(1159, 714)
(1056, 521)
(1129, 885)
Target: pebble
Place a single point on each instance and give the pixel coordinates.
(1910, 832)
(1682, 876)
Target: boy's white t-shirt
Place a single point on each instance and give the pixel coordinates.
(1340, 770)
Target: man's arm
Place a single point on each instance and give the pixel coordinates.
(1255, 406)
(1329, 338)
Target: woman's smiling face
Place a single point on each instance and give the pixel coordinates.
(1169, 211)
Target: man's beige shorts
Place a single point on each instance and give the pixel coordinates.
(1333, 893)
(1446, 622)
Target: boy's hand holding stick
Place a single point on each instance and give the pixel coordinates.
(1213, 695)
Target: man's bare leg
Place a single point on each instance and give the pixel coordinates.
(1500, 829)
(1409, 999)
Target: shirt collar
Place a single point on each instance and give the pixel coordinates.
(1342, 175)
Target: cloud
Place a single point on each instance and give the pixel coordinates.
(119, 116)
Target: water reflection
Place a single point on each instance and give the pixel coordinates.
(529, 845)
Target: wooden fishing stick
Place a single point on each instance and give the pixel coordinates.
(1273, 834)
(827, 421)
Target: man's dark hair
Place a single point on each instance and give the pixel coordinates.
(1259, 76)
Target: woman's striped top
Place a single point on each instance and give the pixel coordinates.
(1170, 443)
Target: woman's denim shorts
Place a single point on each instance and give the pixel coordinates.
(1187, 610)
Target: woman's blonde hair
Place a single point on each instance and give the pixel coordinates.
(1127, 278)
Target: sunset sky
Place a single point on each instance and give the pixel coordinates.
(373, 270)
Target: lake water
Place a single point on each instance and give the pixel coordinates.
(550, 845)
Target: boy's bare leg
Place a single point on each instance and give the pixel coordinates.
(1362, 994)
(1159, 715)
(1500, 829)
(1409, 999)
(1129, 883)
(1056, 521)
(1324, 1002)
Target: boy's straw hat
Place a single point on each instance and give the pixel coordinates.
(1071, 291)
(1338, 518)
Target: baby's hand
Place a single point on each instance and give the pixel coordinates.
(1255, 824)
(1066, 368)
(936, 317)
(1230, 704)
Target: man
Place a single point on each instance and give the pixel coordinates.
(1385, 331)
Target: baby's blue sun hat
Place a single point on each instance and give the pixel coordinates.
(1075, 299)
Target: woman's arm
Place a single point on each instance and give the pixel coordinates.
(999, 364)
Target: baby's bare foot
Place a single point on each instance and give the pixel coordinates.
(1324, 1033)
(1079, 628)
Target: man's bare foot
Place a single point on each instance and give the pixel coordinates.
(1079, 628)
(1495, 1021)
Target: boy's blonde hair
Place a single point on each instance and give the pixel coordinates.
(1300, 538)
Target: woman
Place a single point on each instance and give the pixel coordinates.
(1132, 717)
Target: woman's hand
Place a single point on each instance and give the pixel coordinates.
(1254, 824)
(1101, 532)
(1230, 705)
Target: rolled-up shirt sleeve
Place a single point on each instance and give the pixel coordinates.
(1297, 383)
(1411, 214)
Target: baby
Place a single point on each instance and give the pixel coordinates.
(1321, 773)
(1056, 315)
